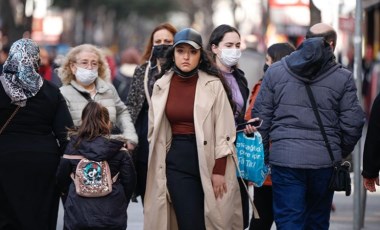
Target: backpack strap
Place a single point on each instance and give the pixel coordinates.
(73, 157)
(80, 157)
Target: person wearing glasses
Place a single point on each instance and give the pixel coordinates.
(83, 73)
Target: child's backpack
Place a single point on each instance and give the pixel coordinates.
(92, 178)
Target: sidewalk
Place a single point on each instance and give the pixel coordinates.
(341, 219)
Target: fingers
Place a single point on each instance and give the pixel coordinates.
(220, 190)
(369, 184)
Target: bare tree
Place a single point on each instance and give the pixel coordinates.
(14, 21)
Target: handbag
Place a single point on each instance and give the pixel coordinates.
(340, 179)
(250, 154)
(9, 119)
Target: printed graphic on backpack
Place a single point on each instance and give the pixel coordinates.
(92, 178)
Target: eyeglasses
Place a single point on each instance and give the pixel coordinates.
(87, 64)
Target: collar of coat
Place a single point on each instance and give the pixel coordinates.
(204, 95)
(203, 79)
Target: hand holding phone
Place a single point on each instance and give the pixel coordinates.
(255, 123)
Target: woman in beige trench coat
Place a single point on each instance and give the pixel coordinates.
(214, 129)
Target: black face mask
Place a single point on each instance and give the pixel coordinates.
(266, 66)
(160, 51)
(185, 74)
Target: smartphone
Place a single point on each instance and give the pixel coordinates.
(256, 124)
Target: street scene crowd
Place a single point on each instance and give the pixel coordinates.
(96, 132)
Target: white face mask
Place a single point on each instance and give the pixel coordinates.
(229, 57)
(86, 76)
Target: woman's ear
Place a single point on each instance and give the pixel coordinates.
(214, 49)
(73, 68)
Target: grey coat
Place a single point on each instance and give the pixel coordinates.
(108, 97)
(289, 122)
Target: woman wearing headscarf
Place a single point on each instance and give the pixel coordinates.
(31, 141)
(191, 181)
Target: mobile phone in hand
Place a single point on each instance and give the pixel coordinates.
(256, 124)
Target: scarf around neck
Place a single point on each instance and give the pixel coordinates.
(20, 78)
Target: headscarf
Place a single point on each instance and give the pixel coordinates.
(20, 76)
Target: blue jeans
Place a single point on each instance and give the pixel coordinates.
(301, 198)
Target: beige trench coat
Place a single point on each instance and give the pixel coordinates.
(215, 134)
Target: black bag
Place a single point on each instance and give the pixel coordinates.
(340, 179)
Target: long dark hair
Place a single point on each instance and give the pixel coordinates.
(95, 123)
(148, 48)
(217, 36)
(205, 64)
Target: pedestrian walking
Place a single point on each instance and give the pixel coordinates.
(83, 73)
(224, 47)
(93, 140)
(263, 195)
(371, 157)
(138, 100)
(292, 138)
(33, 121)
(191, 182)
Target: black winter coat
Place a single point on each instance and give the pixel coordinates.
(30, 148)
(108, 212)
(371, 155)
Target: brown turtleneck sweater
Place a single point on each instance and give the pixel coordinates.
(180, 111)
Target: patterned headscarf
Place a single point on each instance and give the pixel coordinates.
(20, 78)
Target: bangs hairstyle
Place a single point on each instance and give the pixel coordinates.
(95, 123)
(148, 48)
(65, 73)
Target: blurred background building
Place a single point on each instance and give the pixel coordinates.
(118, 24)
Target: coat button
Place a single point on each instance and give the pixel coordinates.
(228, 138)
(205, 143)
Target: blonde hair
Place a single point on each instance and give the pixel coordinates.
(65, 73)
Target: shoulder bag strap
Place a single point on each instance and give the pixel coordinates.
(87, 96)
(80, 157)
(9, 119)
(320, 124)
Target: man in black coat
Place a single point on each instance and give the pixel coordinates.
(371, 156)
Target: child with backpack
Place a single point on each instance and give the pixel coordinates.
(96, 174)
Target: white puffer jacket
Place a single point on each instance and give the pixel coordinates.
(107, 96)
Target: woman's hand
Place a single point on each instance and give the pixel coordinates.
(219, 185)
(249, 128)
(130, 146)
(369, 183)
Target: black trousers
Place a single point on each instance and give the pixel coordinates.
(264, 205)
(244, 201)
(184, 183)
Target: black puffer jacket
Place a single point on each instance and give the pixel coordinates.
(108, 212)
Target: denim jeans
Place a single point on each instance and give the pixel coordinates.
(301, 198)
